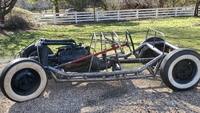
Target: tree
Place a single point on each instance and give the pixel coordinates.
(196, 8)
(161, 3)
(80, 5)
(98, 3)
(54, 2)
(6, 7)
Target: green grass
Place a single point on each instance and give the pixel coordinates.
(181, 31)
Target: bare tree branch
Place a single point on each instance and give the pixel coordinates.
(0, 3)
(12, 4)
(9, 4)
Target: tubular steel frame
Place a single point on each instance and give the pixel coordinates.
(61, 76)
(119, 74)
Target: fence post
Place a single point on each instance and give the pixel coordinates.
(137, 14)
(198, 11)
(54, 18)
(176, 12)
(76, 17)
(193, 11)
(157, 13)
(118, 15)
(97, 13)
(33, 19)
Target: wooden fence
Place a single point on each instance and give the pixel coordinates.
(113, 15)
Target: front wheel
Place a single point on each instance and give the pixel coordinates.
(23, 79)
(180, 69)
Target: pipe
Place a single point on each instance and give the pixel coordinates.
(108, 73)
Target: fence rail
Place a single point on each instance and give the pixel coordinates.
(113, 15)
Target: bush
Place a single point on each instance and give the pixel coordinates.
(15, 22)
(18, 19)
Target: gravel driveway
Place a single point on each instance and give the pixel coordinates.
(136, 95)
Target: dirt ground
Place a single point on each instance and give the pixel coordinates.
(136, 96)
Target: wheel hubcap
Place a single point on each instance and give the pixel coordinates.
(25, 82)
(184, 71)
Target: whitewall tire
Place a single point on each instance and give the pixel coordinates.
(180, 69)
(23, 79)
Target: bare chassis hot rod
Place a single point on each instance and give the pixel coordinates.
(26, 78)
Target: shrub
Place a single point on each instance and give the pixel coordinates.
(15, 22)
(18, 19)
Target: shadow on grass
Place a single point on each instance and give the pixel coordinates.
(10, 44)
(109, 23)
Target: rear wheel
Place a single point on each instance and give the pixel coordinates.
(145, 52)
(180, 69)
(23, 79)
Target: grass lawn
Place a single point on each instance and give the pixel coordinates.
(181, 31)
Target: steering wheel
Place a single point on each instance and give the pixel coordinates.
(127, 41)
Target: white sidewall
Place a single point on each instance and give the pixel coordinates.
(13, 70)
(193, 81)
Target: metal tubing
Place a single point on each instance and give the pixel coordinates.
(166, 43)
(66, 40)
(154, 37)
(36, 57)
(105, 51)
(136, 60)
(170, 45)
(93, 51)
(157, 42)
(119, 43)
(154, 49)
(140, 47)
(58, 43)
(155, 31)
(101, 79)
(121, 56)
(62, 65)
(157, 67)
(108, 73)
(128, 33)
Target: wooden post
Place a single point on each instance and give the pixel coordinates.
(118, 15)
(97, 16)
(54, 18)
(157, 13)
(33, 19)
(193, 10)
(176, 12)
(76, 17)
(94, 10)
